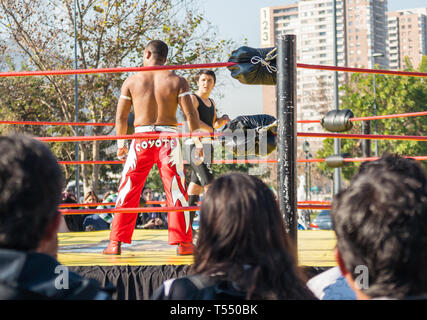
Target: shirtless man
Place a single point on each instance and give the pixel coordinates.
(155, 96)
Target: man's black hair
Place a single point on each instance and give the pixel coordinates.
(159, 49)
(380, 222)
(31, 182)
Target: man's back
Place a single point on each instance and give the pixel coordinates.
(154, 97)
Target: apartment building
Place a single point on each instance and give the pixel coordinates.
(366, 33)
(407, 37)
(275, 21)
(361, 42)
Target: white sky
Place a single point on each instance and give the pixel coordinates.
(239, 20)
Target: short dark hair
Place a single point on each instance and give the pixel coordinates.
(159, 49)
(31, 182)
(207, 72)
(242, 227)
(380, 222)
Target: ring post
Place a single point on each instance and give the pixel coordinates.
(287, 135)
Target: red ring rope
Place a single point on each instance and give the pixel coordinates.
(314, 207)
(200, 66)
(114, 70)
(390, 116)
(158, 209)
(361, 136)
(245, 161)
(127, 210)
(128, 136)
(51, 123)
(78, 205)
(362, 70)
(187, 135)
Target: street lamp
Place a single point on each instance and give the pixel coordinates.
(376, 54)
(309, 176)
(306, 148)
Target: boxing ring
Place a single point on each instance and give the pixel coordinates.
(150, 260)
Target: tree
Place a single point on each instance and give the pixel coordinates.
(394, 95)
(109, 34)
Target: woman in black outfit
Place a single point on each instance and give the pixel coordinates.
(243, 250)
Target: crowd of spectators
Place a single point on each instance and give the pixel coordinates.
(96, 222)
(243, 250)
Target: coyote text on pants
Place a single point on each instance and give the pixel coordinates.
(165, 151)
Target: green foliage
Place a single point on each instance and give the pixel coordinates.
(109, 34)
(394, 95)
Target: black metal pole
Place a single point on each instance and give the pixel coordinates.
(309, 178)
(337, 142)
(366, 144)
(287, 135)
(306, 177)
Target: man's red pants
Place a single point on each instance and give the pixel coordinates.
(143, 154)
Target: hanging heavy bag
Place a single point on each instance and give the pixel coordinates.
(245, 135)
(254, 66)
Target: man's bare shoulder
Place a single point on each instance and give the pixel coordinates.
(172, 76)
(194, 100)
(129, 80)
(183, 83)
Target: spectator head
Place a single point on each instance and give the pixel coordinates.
(68, 197)
(156, 52)
(30, 192)
(91, 197)
(147, 194)
(380, 222)
(243, 236)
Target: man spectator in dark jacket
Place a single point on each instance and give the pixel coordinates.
(380, 222)
(30, 192)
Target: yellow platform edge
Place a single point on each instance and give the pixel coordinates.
(150, 247)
